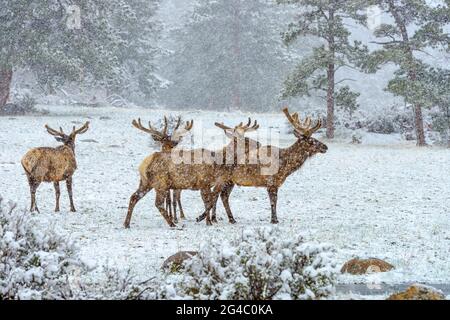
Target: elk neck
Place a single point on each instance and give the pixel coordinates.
(296, 155)
(67, 147)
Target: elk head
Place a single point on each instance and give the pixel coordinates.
(240, 130)
(168, 141)
(303, 131)
(67, 140)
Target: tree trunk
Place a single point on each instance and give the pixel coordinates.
(5, 86)
(412, 72)
(330, 101)
(236, 99)
(418, 120)
(418, 115)
(331, 73)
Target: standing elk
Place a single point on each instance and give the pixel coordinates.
(168, 142)
(53, 165)
(204, 170)
(240, 146)
(289, 161)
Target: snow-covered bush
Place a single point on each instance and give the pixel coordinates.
(34, 264)
(440, 124)
(394, 120)
(107, 283)
(40, 264)
(262, 264)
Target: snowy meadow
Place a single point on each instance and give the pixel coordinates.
(388, 201)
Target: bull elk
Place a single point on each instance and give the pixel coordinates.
(53, 165)
(168, 142)
(204, 170)
(241, 146)
(289, 161)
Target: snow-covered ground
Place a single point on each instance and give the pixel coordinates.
(390, 201)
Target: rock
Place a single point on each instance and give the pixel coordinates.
(418, 292)
(365, 266)
(174, 263)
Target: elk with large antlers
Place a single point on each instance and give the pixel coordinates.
(168, 142)
(53, 165)
(239, 146)
(286, 160)
(199, 169)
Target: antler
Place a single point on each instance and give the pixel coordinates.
(302, 128)
(240, 129)
(82, 130)
(248, 127)
(54, 132)
(157, 135)
(179, 133)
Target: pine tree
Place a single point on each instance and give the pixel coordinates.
(138, 48)
(416, 27)
(317, 73)
(438, 93)
(49, 39)
(228, 56)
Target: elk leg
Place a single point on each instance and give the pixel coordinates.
(273, 195)
(205, 198)
(169, 205)
(159, 202)
(225, 196)
(173, 206)
(57, 194)
(138, 195)
(178, 201)
(69, 190)
(33, 187)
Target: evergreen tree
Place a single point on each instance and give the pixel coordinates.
(228, 56)
(139, 32)
(416, 27)
(438, 93)
(316, 73)
(49, 38)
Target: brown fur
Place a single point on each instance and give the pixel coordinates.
(168, 143)
(52, 165)
(159, 172)
(290, 160)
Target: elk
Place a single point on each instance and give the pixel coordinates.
(289, 161)
(241, 146)
(201, 170)
(53, 165)
(168, 142)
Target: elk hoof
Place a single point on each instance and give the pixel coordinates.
(232, 221)
(208, 223)
(214, 220)
(56, 210)
(274, 221)
(172, 225)
(73, 210)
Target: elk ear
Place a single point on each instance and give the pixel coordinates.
(59, 139)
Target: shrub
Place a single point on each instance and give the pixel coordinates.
(394, 120)
(40, 264)
(260, 265)
(25, 104)
(440, 124)
(34, 264)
